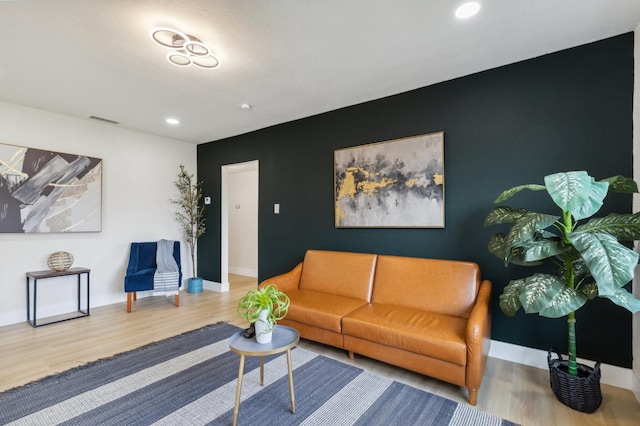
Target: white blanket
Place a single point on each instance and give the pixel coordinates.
(166, 280)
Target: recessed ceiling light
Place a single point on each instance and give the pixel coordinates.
(172, 121)
(467, 10)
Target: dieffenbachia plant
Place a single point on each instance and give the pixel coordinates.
(591, 262)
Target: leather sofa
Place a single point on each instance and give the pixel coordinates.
(426, 315)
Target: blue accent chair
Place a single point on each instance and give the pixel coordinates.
(142, 266)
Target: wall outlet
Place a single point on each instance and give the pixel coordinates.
(207, 200)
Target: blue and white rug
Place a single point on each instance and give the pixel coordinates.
(191, 380)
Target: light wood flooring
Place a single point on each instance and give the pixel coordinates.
(512, 391)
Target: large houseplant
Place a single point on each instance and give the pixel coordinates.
(589, 258)
(264, 307)
(190, 215)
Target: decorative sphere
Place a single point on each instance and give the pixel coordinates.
(60, 261)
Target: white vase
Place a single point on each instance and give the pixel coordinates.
(264, 327)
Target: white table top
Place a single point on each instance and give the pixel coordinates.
(284, 338)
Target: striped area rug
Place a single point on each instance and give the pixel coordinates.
(191, 380)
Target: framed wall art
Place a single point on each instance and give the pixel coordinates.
(392, 184)
(45, 191)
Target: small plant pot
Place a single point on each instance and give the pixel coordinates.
(264, 327)
(581, 392)
(194, 285)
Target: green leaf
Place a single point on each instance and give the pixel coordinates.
(625, 227)
(611, 264)
(590, 290)
(569, 190)
(525, 228)
(498, 247)
(504, 214)
(513, 191)
(510, 297)
(580, 270)
(540, 249)
(594, 202)
(549, 296)
(625, 299)
(622, 184)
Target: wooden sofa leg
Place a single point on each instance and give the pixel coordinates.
(473, 396)
(352, 355)
(177, 300)
(128, 302)
(135, 296)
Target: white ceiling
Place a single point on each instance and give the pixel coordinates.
(287, 58)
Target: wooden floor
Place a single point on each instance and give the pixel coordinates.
(512, 391)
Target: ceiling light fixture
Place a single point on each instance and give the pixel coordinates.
(185, 49)
(467, 10)
(172, 121)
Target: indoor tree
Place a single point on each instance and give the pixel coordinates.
(190, 213)
(589, 259)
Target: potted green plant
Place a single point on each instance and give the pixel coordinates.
(264, 307)
(590, 262)
(190, 215)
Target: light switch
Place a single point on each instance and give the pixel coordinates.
(207, 200)
(276, 208)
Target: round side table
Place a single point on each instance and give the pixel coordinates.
(284, 338)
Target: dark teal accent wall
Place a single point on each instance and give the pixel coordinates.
(570, 110)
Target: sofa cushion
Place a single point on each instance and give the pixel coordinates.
(320, 309)
(442, 286)
(426, 333)
(339, 273)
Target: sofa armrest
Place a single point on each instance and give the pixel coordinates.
(478, 340)
(287, 281)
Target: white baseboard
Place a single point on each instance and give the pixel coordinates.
(636, 386)
(247, 272)
(215, 286)
(611, 374)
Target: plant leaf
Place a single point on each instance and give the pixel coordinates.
(594, 202)
(543, 248)
(622, 184)
(504, 214)
(498, 247)
(569, 190)
(549, 296)
(510, 297)
(590, 290)
(611, 264)
(513, 191)
(625, 227)
(625, 299)
(525, 228)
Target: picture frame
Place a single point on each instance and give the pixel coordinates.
(45, 191)
(391, 184)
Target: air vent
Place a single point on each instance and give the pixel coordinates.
(104, 120)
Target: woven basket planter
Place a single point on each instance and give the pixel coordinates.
(194, 285)
(581, 392)
(60, 261)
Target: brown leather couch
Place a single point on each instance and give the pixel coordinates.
(425, 315)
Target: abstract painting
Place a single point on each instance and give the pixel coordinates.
(391, 184)
(44, 191)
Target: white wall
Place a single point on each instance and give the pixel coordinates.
(138, 177)
(243, 222)
(636, 205)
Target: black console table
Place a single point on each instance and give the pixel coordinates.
(33, 277)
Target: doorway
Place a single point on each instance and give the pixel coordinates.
(239, 220)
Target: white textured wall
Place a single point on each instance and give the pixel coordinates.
(243, 223)
(636, 205)
(137, 181)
